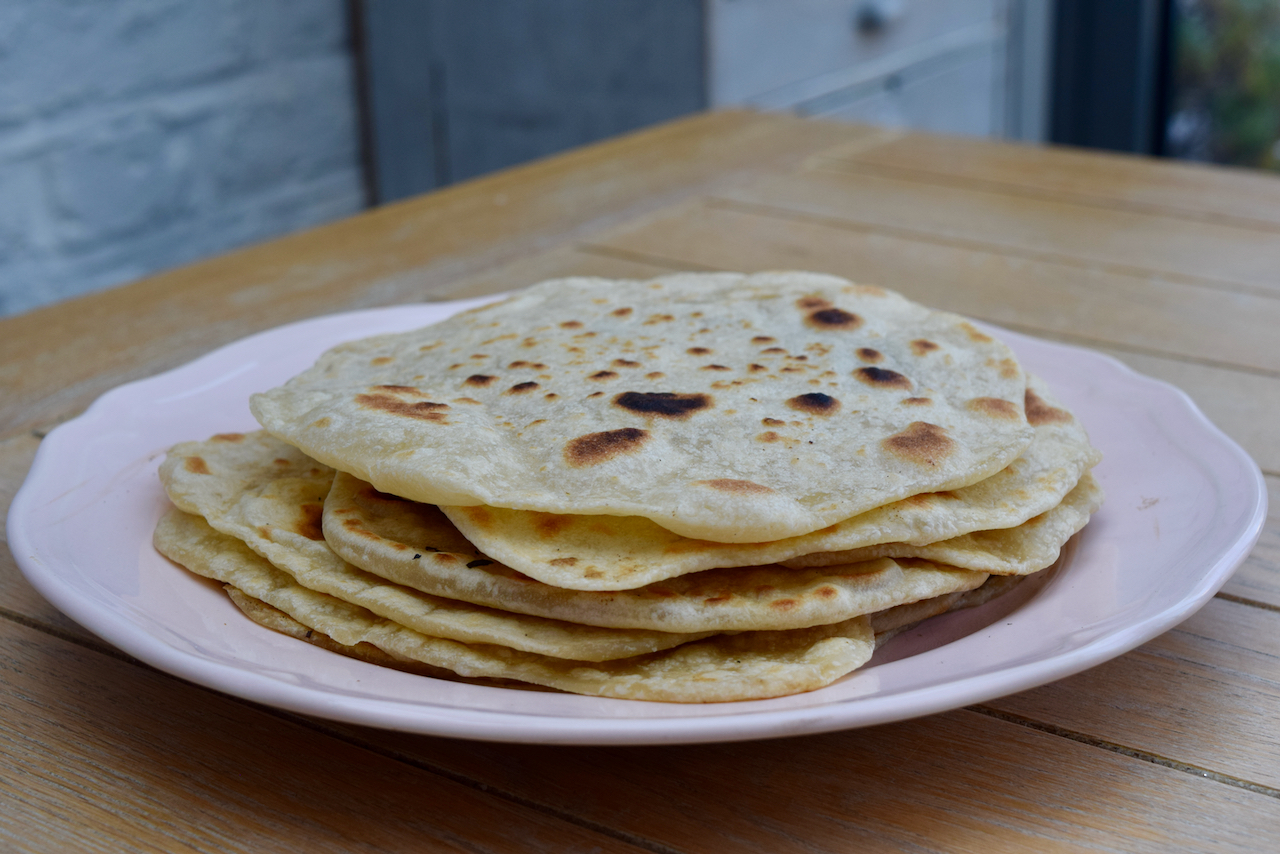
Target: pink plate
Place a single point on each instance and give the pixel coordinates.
(1184, 506)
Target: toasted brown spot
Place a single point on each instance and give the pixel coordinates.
(763, 339)
(603, 375)
(716, 600)
(833, 318)
(479, 516)
(736, 487)
(564, 561)
(1009, 369)
(826, 592)
(406, 389)
(715, 368)
(470, 400)
(783, 604)
(551, 524)
(920, 346)
(697, 351)
(625, 363)
(815, 403)
(659, 318)
(595, 448)
(772, 422)
(196, 465)
(321, 423)
(921, 443)
(308, 522)
(621, 312)
(882, 378)
(522, 388)
(655, 375)
(423, 410)
(755, 369)
(551, 395)
(571, 324)
(867, 354)
(916, 401)
(228, 437)
(994, 407)
(595, 394)
(520, 363)
(663, 404)
(1039, 412)
(811, 302)
(974, 333)
(381, 360)
(773, 350)
(480, 380)
(768, 436)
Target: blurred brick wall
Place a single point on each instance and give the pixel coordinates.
(140, 134)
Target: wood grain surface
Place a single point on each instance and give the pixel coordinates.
(1171, 268)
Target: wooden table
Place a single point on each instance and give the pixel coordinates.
(1174, 269)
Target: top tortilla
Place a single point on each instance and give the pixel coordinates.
(725, 407)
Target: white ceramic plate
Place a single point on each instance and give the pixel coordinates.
(1184, 506)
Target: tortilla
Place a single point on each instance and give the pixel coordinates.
(268, 495)
(415, 545)
(1030, 547)
(621, 552)
(746, 666)
(720, 406)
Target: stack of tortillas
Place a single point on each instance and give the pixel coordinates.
(699, 488)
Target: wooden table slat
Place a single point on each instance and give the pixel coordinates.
(101, 755)
(1243, 197)
(1210, 254)
(960, 781)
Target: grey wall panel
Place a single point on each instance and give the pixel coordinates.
(457, 89)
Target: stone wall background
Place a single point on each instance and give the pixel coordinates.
(136, 135)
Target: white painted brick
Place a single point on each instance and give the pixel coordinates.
(124, 181)
(21, 204)
(63, 54)
(300, 124)
(139, 134)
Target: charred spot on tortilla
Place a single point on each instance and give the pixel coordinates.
(1040, 413)
(814, 403)
(882, 378)
(833, 318)
(663, 404)
(921, 346)
(422, 410)
(995, 407)
(735, 486)
(921, 443)
(595, 448)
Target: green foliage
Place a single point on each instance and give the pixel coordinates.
(1227, 82)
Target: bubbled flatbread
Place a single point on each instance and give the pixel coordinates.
(270, 496)
(415, 545)
(1032, 546)
(620, 552)
(752, 665)
(720, 406)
